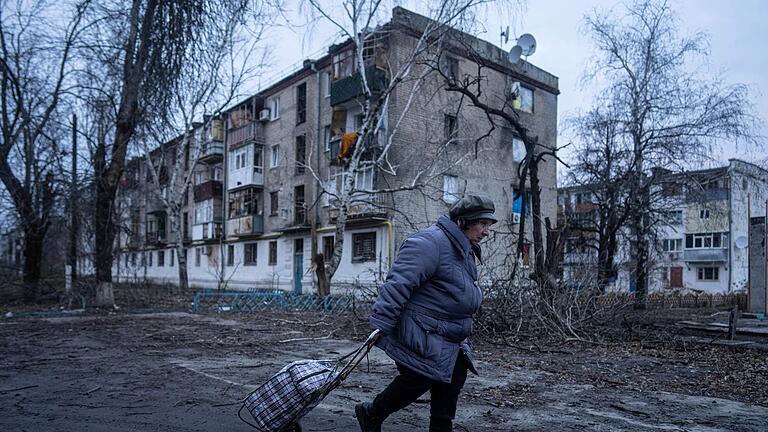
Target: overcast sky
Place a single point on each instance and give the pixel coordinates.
(738, 31)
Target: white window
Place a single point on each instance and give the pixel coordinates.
(675, 217)
(203, 211)
(708, 273)
(518, 150)
(704, 214)
(274, 110)
(326, 84)
(450, 189)
(327, 137)
(274, 156)
(240, 158)
(364, 178)
(672, 245)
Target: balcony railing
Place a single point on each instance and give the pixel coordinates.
(211, 151)
(249, 176)
(206, 231)
(705, 255)
(351, 87)
(207, 190)
(362, 205)
(251, 132)
(373, 149)
(245, 225)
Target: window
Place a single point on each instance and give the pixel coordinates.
(133, 259)
(524, 99)
(451, 68)
(343, 64)
(230, 255)
(203, 211)
(198, 252)
(672, 245)
(173, 258)
(250, 253)
(273, 253)
(364, 247)
(301, 103)
(450, 189)
(150, 258)
(704, 214)
(518, 150)
(675, 217)
(364, 178)
(258, 164)
(327, 137)
(299, 206)
(326, 84)
(708, 273)
(274, 108)
(328, 247)
(273, 203)
(244, 202)
(161, 258)
(450, 125)
(705, 240)
(517, 202)
(301, 154)
(274, 159)
(239, 158)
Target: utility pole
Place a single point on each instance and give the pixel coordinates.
(74, 227)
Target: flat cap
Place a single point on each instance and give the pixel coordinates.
(472, 207)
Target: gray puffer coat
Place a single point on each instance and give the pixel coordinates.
(425, 306)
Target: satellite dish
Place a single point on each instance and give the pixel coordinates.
(528, 44)
(742, 242)
(514, 54)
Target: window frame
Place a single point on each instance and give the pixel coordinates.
(274, 156)
(272, 253)
(360, 253)
(250, 254)
(274, 108)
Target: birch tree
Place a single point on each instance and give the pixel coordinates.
(360, 23)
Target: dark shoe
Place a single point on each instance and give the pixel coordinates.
(368, 423)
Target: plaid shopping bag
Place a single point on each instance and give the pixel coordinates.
(290, 394)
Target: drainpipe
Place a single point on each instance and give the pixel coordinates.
(731, 240)
(224, 179)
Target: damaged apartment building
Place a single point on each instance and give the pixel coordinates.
(270, 167)
(710, 237)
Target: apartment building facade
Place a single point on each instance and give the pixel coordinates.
(271, 166)
(708, 238)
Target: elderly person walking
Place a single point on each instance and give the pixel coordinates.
(424, 312)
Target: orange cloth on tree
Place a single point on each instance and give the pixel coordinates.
(347, 141)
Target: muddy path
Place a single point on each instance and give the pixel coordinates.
(183, 372)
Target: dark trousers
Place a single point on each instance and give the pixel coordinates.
(409, 385)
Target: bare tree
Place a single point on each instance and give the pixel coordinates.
(668, 111)
(142, 48)
(35, 69)
(360, 22)
(210, 80)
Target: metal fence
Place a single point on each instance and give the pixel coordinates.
(270, 300)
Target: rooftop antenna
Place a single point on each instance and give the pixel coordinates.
(526, 46)
(504, 36)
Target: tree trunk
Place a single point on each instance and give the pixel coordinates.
(183, 275)
(105, 238)
(33, 254)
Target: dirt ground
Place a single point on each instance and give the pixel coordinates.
(175, 371)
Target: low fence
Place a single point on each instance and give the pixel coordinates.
(269, 300)
(660, 300)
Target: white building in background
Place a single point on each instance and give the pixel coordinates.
(704, 243)
(248, 214)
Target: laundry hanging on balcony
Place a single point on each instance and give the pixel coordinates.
(347, 143)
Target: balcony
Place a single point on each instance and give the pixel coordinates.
(706, 195)
(248, 133)
(207, 190)
(372, 149)
(245, 225)
(206, 231)
(244, 177)
(211, 152)
(154, 205)
(705, 255)
(351, 87)
(363, 206)
(156, 238)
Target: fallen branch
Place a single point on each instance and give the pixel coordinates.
(308, 339)
(18, 388)
(92, 390)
